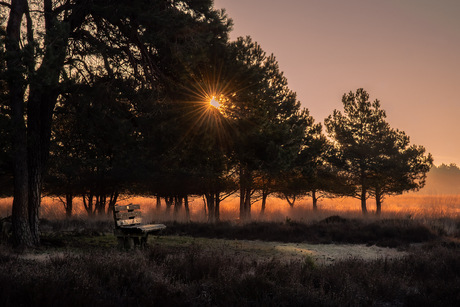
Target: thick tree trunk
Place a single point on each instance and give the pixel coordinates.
(210, 203)
(43, 93)
(35, 189)
(68, 205)
(22, 235)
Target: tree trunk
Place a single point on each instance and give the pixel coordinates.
(264, 201)
(290, 202)
(245, 193)
(242, 193)
(247, 204)
(314, 200)
(217, 207)
(169, 202)
(112, 201)
(177, 206)
(210, 202)
(22, 235)
(35, 188)
(158, 206)
(68, 205)
(187, 209)
(378, 201)
(363, 200)
(88, 204)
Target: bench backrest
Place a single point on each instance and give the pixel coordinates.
(127, 215)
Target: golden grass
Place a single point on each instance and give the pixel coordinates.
(407, 205)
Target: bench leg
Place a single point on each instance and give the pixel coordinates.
(144, 241)
(126, 242)
(121, 242)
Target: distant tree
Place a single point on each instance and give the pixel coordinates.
(443, 179)
(377, 159)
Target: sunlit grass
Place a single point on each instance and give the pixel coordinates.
(403, 206)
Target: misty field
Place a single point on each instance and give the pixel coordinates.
(403, 206)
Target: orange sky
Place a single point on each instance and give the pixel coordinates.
(406, 53)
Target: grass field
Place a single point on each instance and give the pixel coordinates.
(330, 262)
(403, 206)
(409, 256)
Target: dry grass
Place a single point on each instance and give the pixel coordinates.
(413, 206)
(204, 275)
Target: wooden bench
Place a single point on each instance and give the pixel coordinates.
(129, 229)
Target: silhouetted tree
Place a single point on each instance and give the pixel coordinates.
(270, 125)
(149, 41)
(377, 159)
(358, 134)
(6, 157)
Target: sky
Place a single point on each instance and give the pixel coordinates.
(405, 53)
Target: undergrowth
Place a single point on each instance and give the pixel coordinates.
(198, 276)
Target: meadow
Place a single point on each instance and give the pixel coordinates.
(275, 260)
(411, 205)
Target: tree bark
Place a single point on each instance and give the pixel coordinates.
(290, 202)
(68, 205)
(187, 209)
(217, 207)
(245, 193)
(210, 203)
(264, 201)
(112, 201)
(378, 201)
(363, 199)
(314, 200)
(22, 235)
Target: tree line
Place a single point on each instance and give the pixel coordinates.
(101, 98)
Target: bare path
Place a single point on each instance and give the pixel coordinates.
(322, 253)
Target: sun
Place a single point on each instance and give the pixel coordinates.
(214, 102)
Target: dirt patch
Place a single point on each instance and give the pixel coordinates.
(263, 250)
(322, 253)
(328, 253)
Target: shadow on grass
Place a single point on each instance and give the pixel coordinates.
(385, 233)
